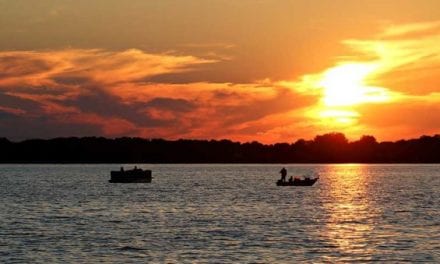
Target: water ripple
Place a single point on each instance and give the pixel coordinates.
(220, 214)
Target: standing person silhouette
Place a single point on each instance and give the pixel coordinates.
(283, 172)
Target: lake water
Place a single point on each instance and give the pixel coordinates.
(220, 214)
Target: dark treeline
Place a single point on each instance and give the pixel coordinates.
(328, 148)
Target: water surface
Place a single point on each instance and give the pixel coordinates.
(220, 213)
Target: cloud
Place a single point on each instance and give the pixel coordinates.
(407, 56)
(20, 64)
(386, 84)
(135, 93)
(178, 105)
(20, 105)
(19, 126)
(408, 30)
(111, 93)
(108, 67)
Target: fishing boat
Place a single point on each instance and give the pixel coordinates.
(130, 176)
(298, 182)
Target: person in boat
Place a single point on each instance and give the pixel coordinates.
(283, 172)
(291, 179)
(122, 168)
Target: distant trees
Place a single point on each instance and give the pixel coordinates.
(328, 148)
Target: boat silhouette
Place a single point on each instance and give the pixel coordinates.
(298, 182)
(130, 176)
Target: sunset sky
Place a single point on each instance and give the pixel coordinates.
(264, 70)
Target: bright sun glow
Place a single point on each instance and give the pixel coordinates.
(343, 117)
(344, 86)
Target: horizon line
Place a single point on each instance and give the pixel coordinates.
(221, 139)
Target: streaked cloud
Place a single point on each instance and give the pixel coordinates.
(409, 29)
(385, 85)
(112, 93)
(51, 67)
(394, 70)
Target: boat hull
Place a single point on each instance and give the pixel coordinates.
(131, 176)
(297, 182)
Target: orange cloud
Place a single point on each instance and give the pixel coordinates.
(393, 70)
(75, 65)
(383, 87)
(407, 57)
(113, 91)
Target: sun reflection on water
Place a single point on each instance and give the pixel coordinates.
(351, 216)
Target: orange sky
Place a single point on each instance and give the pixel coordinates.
(271, 71)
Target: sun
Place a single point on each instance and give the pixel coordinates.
(344, 87)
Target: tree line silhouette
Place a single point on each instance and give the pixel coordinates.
(328, 148)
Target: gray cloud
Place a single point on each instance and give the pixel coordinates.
(100, 102)
(175, 105)
(19, 103)
(17, 127)
(283, 102)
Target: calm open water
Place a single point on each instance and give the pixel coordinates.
(220, 214)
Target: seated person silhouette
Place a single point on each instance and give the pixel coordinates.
(291, 179)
